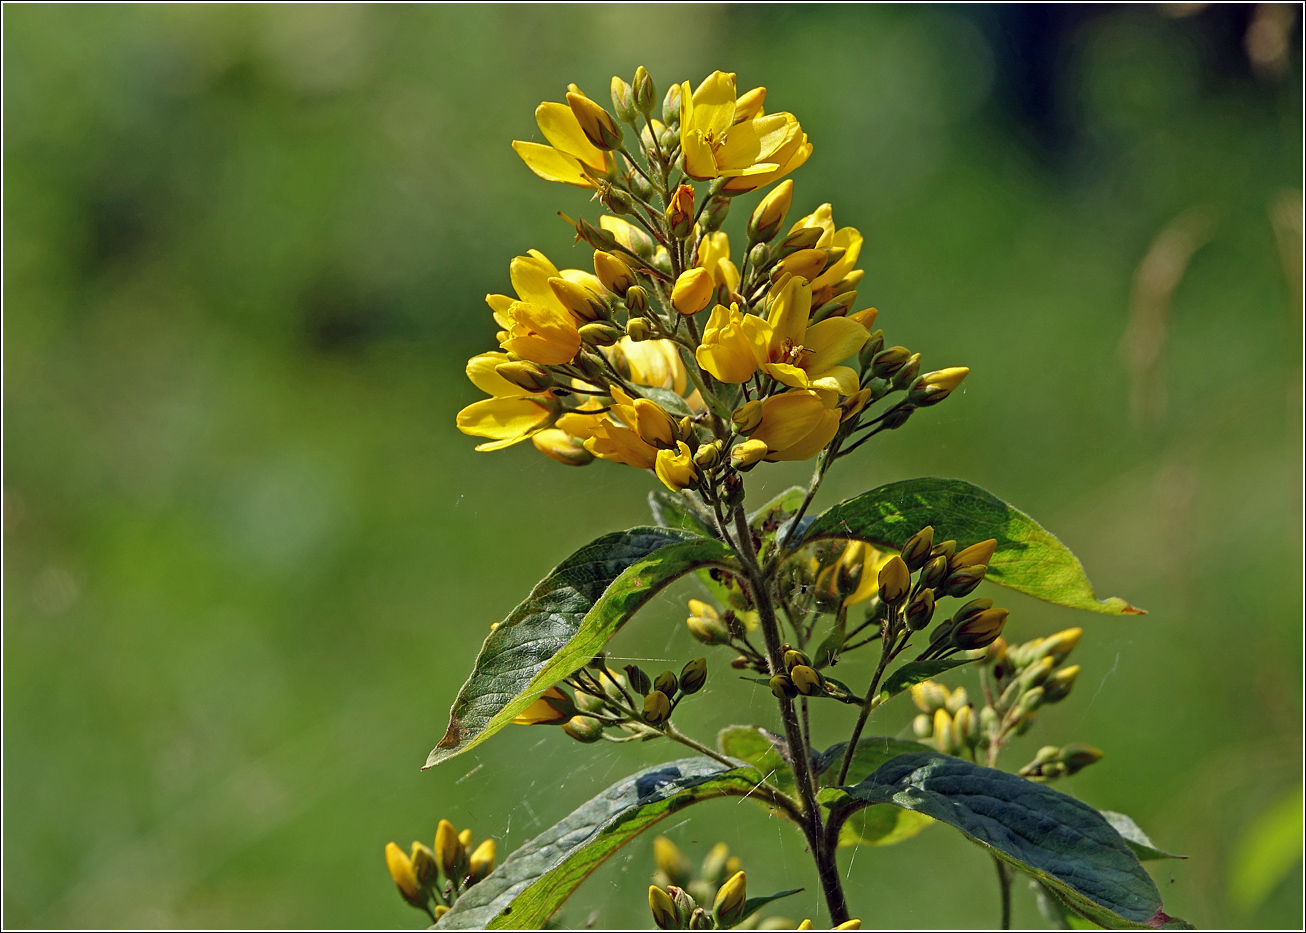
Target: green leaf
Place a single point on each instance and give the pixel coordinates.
(672, 402)
(1057, 839)
(1028, 558)
(774, 514)
(912, 673)
(752, 744)
(678, 510)
(1130, 831)
(881, 824)
(878, 824)
(532, 883)
(566, 620)
(753, 904)
(871, 752)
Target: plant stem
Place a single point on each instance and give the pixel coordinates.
(1004, 885)
(885, 655)
(800, 755)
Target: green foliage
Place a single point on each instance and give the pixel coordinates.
(533, 882)
(564, 623)
(915, 672)
(1060, 841)
(1138, 840)
(1028, 558)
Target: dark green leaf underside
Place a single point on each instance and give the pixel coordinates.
(565, 621)
(1028, 558)
(1059, 840)
(524, 891)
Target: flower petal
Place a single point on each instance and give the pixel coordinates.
(561, 128)
(832, 341)
(550, 164)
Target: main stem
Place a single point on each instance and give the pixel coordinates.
(827, 868)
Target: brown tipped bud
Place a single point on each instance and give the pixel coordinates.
(1057, 687)
(963, 580)
(529, 376)
(583, 729)
(637, 300)
(980, 553)
(424, 865)
(685, 905)
(944, 549)
(980, 630)
(800, 239)
(904, 376)
(783, 687)
(934, 387)
(747, 417)
(870, 349)
(769, 214)
(692, 292)
(1076, 757)
(657, 708)
(663, 908)
(623, 100)
(638, 680)
(888, 361)
(693, 676)
(916, 552)
(972, 608)
(667, 683)
(638, 328)
(895, 580)
(920, 610)
(595, 122)
(806, 680)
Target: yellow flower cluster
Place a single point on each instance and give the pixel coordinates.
(418, 874)
(674, 355)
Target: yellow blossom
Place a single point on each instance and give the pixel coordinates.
(752, 152)
(846, 238)
(727, 350)
(541, 334)
(570, 157)
(871, 561)
(692, 291)
(714, 256)
(654, 363)
(530, 275)
(796, 425)
(620, 444)
(552, 707)
(676, 468)
(807, 357)
(510, 415)
(557, 444)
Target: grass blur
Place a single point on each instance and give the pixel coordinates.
(248, 558)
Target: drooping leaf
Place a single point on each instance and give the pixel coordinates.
(532, 882)
(1133, 834)
(914, 672)
(1028, 558)
(566, 620)
(677, 510)
(1057, 839)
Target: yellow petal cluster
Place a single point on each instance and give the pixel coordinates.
(569, 157)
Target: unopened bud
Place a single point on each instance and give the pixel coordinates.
(916, 552)
(623, 100)
(447, 849)
(989, 720)
(792, 658)
(944, 740)
(714, 215)
(907, 372)
(870, 349)
(638, 328)
(962, 581)
(980, 553)
(806, 680)
(1030, 700)
(639, 681)
(637, 300)
(1077, 757)
(889, 360)
(583, 728)
(783, 687)
(595, 122)
(708, 456)
(657, 708)
(667, 683)
(692, 291)
(806, 263)
(680, 212)
(956, 700)
(482, 861)
(601, 334)
(670, 104)
(934, 387)
(644, 93)
(685, 905)
(980, 630)
(920, 610)
(664, 910)
(693, 676)
(615, 275)
(966, 726)
(800, 239)
(769, 214)
(1036, 674)
(866, 318)
(1057, 687)
(579, 300)
(935, 572)
(923, 726)
(714, 864)
(895, 579)
(728, 908)
(1058, 646)
(747, 417)
(562, 447)
(929, 696)
(400, 866)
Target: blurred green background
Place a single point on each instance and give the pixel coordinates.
(248, 559)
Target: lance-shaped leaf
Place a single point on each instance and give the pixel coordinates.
(1059, 840)
(1028, 558)
(566, 620)
(524, 891)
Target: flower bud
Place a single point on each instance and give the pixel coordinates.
(770, 212)
(705, 624)
(836, 307)
(806, 680)
(636, 298)
(866, 318)
(1036, 674)
(989, 720)
(614, 682)
(595, 122)
(623, 100)
(1057, 687)
(1030, 700)
(935, 572)
(916, 552)
(929, 696)
(667, 683)
(638, 328)
(888, 361)
(782, 687)
(980, 553)
(424, 865)
(895, 580)
(728, 908)
(670, 105)
(562, 447)
(920, 610)
(714, 215)
(934, 387)
(657, 708)
(482, 861)
(643, 92)
(980, 630)
(1077, 757)
(529, 376)
(806, 263)
(944, 740)
(956, 700)
(680, 212)
(1058, 646)
(615, 275)
(962, 581)
(601, 334)
(583, 729)
(638, 680)
(800, 239)
(907, 372)
(586, 703)
(792, 658)
(923, 725)
(664, 910)
(692, 291)
(966, 726)
(693, 676)
(870, 349)
(448, 851)
(401, 870)
(747, 417)
(579, 300)
(971, 609)
(708, 456)
(685, 905)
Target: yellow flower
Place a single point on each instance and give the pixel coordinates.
(552, 707)
(796, 425)
(871, 561)
(530, 276)
(619, 444)
(692, 291)
(807, 357)
(846, 238)
(654, 363)
(557, 444)
(541, 334)
(570, 157)
(752, 152)
(727, 350)
(714, 256)
(676, 468)
(510, 415)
